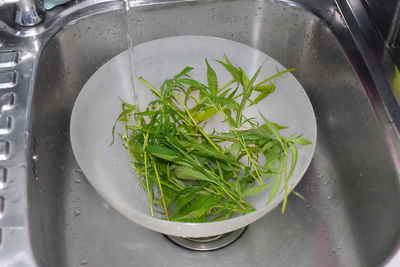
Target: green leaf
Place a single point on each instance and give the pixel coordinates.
(301, 141)
(265, 91)
(187, 173)
(247, 90)
(202, 206)
(274, 129)
(233, 93)
(297, 194)
(272, 156)
(268, 145)
(212, 80)
(277, 183)
(276, 75)
(145, 113)
(224, 216)
(161, 150)
(192, 83)
(192, 210)
(294, 158)
(165, 154)
(235, 72)
(183, 72)
(255, 190)
(196, 108)
(228, 102)
(120, 116)
(235, 146)
(268, 172)
(190, 90)
(204, 115)
(245, 80)
(181, 202)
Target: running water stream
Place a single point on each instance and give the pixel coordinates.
(129, 34)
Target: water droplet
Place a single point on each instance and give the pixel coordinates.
(78, 170)
(77, 213)
(15, 199)
(83, 262)
(77, 181)
(26, 135)
(329, 197)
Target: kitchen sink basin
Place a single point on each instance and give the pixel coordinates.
(350, 215)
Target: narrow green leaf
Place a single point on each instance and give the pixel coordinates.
(204, 204)
(228, 103)
(301, 141)
(268, 146)
(235, 72)
(267, 89)
(181, 202)
(161, 150)
(297, 194)
(183, 73)
(212, 80)
(255, 190)
(190, 90)
(192, 83)
(204, 115)
(190, 174)
(277, 183)
(276, 75)
(294, 158)
(120, 116)
(224, 216)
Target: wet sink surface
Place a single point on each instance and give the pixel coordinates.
(350, 216)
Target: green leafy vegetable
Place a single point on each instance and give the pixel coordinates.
(194, 176)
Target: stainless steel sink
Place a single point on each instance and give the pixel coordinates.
(51, 216)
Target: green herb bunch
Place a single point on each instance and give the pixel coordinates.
(194, 176)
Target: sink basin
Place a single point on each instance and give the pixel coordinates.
(350, 215)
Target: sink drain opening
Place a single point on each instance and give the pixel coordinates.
(208, 243)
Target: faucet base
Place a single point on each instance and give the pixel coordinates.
(30, 16)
